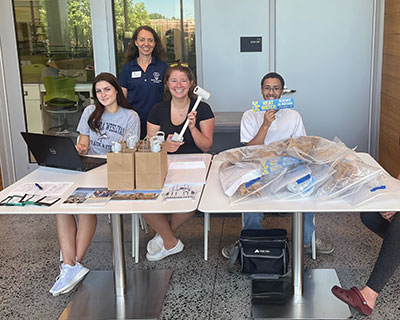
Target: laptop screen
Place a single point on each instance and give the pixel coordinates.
(54, 151)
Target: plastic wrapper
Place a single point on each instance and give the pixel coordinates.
(294, 168)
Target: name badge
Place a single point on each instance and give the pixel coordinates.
(136, 74)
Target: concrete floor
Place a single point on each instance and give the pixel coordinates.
(198, 289)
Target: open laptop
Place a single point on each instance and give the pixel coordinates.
(59, 152)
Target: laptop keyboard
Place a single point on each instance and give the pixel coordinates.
(90, 162)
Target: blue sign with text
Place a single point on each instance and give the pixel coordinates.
(276, 104)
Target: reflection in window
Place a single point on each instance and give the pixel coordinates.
(54, 39)
(173, 20)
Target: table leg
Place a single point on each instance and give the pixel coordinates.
(117, 232)
(298, 253)
(206, 229)
(137, 294)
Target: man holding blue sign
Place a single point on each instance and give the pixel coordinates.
(279, 121)
(264, 127)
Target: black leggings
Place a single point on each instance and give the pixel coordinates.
(389, 255)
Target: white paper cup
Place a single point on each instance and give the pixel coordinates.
(155, 144)
(160, 135)
(116, 147)
(131, 141)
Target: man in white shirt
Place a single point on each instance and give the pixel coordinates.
(258, 128)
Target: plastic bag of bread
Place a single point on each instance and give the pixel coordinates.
(317, 150)
(350, 174)
(244, 178)
(304, 186)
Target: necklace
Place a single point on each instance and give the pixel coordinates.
(181, 112)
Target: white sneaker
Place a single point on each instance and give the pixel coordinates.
(69, 277)
(155, 244)
(165, 253)
(226, 251)
(322, 246)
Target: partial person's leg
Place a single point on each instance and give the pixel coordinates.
(71, 241)
(323, 246)
(389, 255)
(177, 219)
(66, 229)
(308, 227)
(161, 225)
(386, 264)
(252, 220)
(86, 229)
(374, 222)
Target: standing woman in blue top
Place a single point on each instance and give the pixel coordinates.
(142, 77)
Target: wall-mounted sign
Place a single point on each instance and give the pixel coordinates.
(251, 44)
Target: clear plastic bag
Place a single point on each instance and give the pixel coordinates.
(319, 174)
(350, 174)
(279, 170)
(256, 189)
(367, 191)
(232, 176)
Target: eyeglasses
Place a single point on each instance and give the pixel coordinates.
(274, 89)
(175, 64)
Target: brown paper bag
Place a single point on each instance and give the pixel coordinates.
(150, 167)
(121, 170)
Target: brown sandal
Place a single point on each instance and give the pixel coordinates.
(353, 298)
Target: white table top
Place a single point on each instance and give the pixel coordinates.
(215, 201)
(94, 178)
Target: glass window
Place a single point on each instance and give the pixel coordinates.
(173, 20)
(55, 52)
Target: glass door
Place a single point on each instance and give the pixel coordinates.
(54, 41)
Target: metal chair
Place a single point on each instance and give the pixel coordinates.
(60, 99)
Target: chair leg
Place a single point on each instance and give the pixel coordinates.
(313, 245)
(133, 234)
(143, 224)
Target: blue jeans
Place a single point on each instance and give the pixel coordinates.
(253, 221)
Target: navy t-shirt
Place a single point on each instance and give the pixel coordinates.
(161, 115)
(145, 89)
